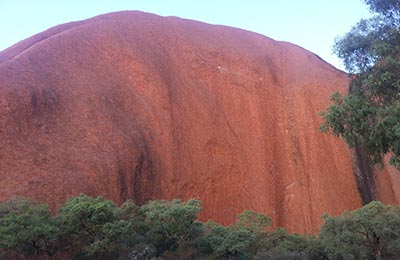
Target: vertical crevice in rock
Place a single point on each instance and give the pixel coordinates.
(364, 174)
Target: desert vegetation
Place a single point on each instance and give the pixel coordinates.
(96, 228)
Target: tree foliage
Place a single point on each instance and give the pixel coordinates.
(173, 225)
(370, 114)
(231, 242)
(27, 228)
(253, 221)
(91, 228)
(95, 228)
(371, 232)
(281, 244)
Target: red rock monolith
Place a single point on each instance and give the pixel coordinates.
(131, 105)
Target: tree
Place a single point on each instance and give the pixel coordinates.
(253, 221)
(237, 241)
(173, 225)
(280, 243)
(27, 228)
(370, 114)
(371, 232)
(231, 242)
(91, 228)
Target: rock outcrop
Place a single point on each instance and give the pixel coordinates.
(131, 105)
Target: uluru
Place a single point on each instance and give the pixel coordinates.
(131, 105)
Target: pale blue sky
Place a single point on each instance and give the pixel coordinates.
(312, 24)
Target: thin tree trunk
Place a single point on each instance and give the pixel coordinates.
(377, 247)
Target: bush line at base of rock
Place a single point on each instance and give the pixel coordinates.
(95, 228)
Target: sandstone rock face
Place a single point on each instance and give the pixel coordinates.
(135, 106)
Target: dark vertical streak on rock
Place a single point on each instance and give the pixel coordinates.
(122, 182)
(144, 177)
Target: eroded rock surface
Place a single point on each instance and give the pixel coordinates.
(133, 105)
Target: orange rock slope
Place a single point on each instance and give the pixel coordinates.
(133, 105)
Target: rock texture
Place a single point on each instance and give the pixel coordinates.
(133, 105)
